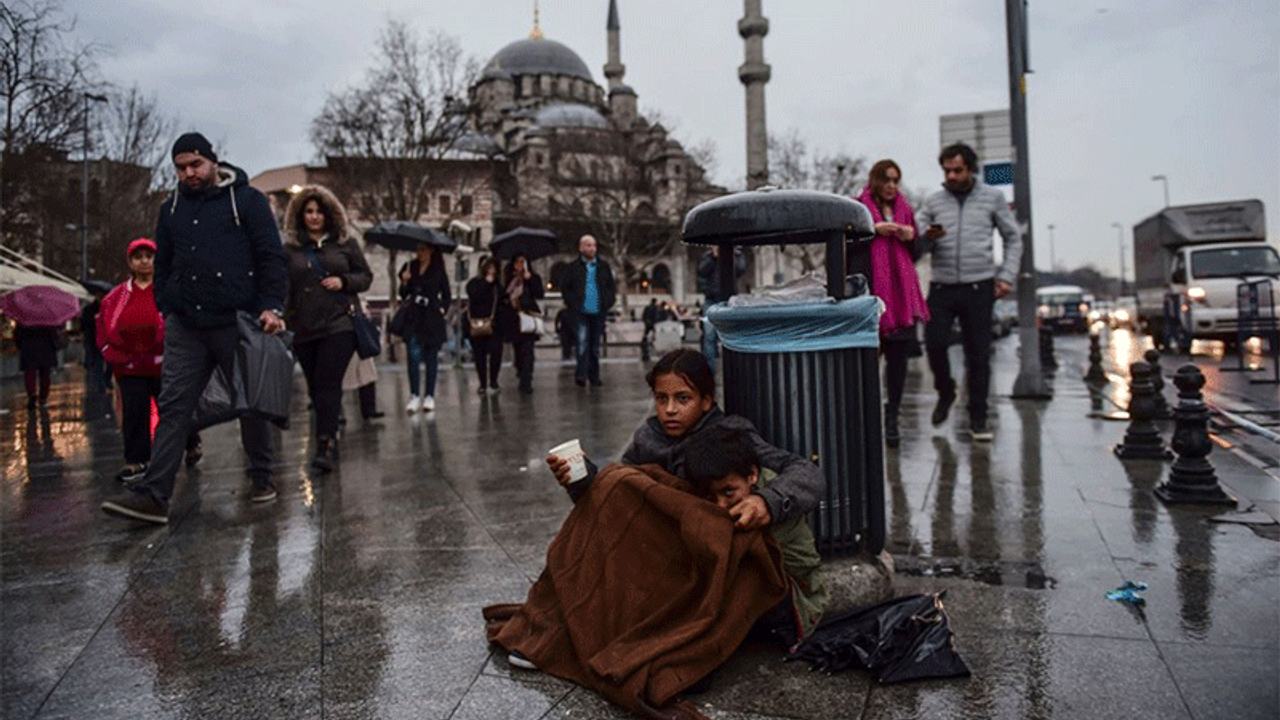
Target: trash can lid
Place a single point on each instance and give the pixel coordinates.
(799, 327)
(769, 216)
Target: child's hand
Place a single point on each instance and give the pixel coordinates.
(560, 468)
(750, 513)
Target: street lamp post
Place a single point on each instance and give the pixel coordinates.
(1051, 260)
(84, 189)
(1120, 243)
(1164, 181)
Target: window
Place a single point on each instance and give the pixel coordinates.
(444, 204)
(464, 205)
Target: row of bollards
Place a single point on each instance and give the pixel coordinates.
(1191, 478)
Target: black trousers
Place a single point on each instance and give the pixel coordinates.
(971, 304)
(487, 352)
(190, 357)
(324, 361)
(523, 347)
(136, 393)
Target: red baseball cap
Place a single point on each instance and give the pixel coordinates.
(139, 244)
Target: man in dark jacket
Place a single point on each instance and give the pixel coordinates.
(218, 252)
(589, 290)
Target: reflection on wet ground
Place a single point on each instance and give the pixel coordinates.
(357, 595)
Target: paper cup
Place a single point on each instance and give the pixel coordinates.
(571, 452)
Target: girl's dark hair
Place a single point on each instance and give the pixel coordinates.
(509, 271)
(689, 365)
(880, 172)
(716, 452)
(330, 222)
(485, 263)
(437, 261)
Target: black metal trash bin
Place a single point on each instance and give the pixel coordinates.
(807, 376)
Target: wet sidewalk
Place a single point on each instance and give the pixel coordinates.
(358, 594)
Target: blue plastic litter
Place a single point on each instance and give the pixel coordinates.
(1128, 593)
(799, 327)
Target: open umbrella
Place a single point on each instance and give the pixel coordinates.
(40, 306)
(405, 235)
(532, 242)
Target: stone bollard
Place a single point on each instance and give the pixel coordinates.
(1047, 361)
(1163, 412)
(1192, 478)
(1095, 374)
(1142, 439)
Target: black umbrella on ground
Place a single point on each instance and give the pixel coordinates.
(531, 242)
(405, 235)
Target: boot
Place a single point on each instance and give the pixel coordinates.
(326, 458)
(891, 436)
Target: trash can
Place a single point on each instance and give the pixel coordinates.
(806, 374)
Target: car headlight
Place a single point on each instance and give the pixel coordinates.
(1196, 294)
(1122, 316)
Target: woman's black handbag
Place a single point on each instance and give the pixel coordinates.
(396, 326)
(368, 338)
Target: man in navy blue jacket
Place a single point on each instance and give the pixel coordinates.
(218, 252)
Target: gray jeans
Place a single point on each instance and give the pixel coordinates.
(190, 357)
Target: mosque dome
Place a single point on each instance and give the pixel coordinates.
(536, 56)
(560, 115)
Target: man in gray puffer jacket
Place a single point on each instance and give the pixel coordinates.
(966, 281)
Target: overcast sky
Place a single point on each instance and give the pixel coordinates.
(1120, 91)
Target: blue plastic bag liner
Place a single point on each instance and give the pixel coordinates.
(799, 327)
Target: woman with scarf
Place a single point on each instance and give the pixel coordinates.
(327, 270)
(130, 335)
(888, 262)
(424, 288)
(523, 290)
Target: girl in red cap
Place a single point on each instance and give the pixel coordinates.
(131, 336)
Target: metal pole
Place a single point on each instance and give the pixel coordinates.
(84, 189)
(84, 199)
(1052, 263)
(1030, 382)
(1120, 243)
(1165, 182)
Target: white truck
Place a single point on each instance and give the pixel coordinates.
(1189, 261)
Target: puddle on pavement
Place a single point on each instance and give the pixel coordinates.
(1004, 574)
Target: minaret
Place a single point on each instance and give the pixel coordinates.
(614, 69)
(754, 73)
(622, 99)
(536, 32)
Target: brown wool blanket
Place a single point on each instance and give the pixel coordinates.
(647, 588)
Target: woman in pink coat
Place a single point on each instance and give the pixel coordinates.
(888, 262)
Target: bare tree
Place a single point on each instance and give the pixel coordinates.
(42, 81)
(792, 164)
(383, 139)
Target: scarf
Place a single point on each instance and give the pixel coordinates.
(893, 274)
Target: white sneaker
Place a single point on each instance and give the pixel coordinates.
(415, 404)
(428, 403)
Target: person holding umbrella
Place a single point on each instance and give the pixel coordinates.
(39, 313)
(484, 296)
(523, 290)
(424, 287)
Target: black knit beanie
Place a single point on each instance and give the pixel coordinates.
(194, 142)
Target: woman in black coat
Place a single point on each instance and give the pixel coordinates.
(37, 356)
(424, 288)
(327, 271)
(484, 295)
(523, 290)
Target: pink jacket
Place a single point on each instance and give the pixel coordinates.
(128, 357)
(893, 274)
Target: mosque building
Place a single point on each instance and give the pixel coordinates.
(541, 144)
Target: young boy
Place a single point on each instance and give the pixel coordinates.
(722, 466)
